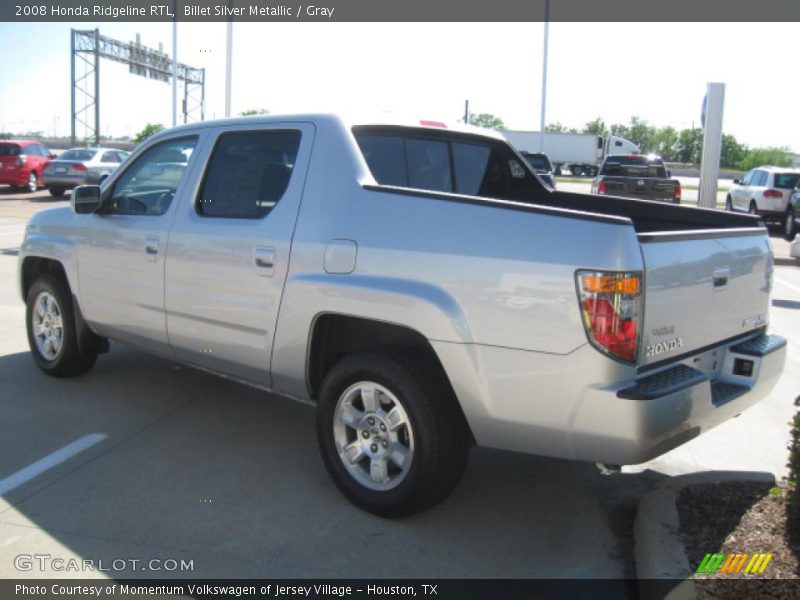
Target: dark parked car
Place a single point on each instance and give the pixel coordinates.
(643, 177)
(793, 214)
(22, 163)
(541, 164)
(80, 166)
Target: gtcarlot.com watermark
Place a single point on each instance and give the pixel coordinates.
(48, 562)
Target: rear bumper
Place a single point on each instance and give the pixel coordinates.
(658, 412)
(64, 181)
(771, 214)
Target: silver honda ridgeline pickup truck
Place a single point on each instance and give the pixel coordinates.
(419, 285)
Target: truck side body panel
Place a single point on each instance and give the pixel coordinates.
(490, 284)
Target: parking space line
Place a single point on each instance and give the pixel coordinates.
(51, 460)
(20, 232)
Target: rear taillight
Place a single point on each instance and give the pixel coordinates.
(611, 309)
(78, 168)
(21, 159)
(773, 194)
(601, 187)
(677, 191)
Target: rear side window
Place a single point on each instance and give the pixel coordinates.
(248, 174)
(386, 157)
(9, 150)
(110, 156)
(452, 162)
(78, 155)
(786, 181)
(428, 165)
(470, 162)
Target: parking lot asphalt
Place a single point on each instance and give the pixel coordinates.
(143, 459)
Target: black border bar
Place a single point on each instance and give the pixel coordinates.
(444, 11)
(412, 589)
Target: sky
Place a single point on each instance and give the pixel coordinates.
(655, 71)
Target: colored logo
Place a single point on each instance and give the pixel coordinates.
(735, 562)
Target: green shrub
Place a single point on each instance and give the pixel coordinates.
(794, 467)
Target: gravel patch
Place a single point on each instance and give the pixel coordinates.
(738, 516)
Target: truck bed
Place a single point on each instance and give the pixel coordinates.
(649, 216)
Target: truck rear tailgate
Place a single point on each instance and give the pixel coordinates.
(642, 188)
(701, 288)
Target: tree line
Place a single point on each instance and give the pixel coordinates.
(684, 146)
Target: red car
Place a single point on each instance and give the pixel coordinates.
(22, 163)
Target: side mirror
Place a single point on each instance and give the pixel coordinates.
(86, 199)
(736, 181)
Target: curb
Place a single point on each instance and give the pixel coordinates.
(659, 551)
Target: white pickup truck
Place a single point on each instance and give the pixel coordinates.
(419, 285)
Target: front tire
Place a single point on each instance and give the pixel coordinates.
(729, 204)
(52, 333)
(393, 441)
(57, 192)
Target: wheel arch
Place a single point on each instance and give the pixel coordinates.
(335, 335)
(34, 266)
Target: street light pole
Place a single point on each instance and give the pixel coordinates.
(228, 67)
(174, 68)
(544, 73)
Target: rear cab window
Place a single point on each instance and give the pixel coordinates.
(450, 162)
(538, 161)
(634, 166)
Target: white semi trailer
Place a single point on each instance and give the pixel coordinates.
(576, 153)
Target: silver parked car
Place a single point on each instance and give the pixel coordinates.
(764, 191)
(80, 166)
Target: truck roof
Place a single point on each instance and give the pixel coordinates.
(346, 120)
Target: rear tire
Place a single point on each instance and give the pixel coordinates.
(753, 209)
(790, 227)
(393, 440)
(52, 333)
(33, 182)
(577, 171)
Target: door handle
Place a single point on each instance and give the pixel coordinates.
(151, 248)
(264, 259)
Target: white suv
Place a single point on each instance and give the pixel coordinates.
(764, 191)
